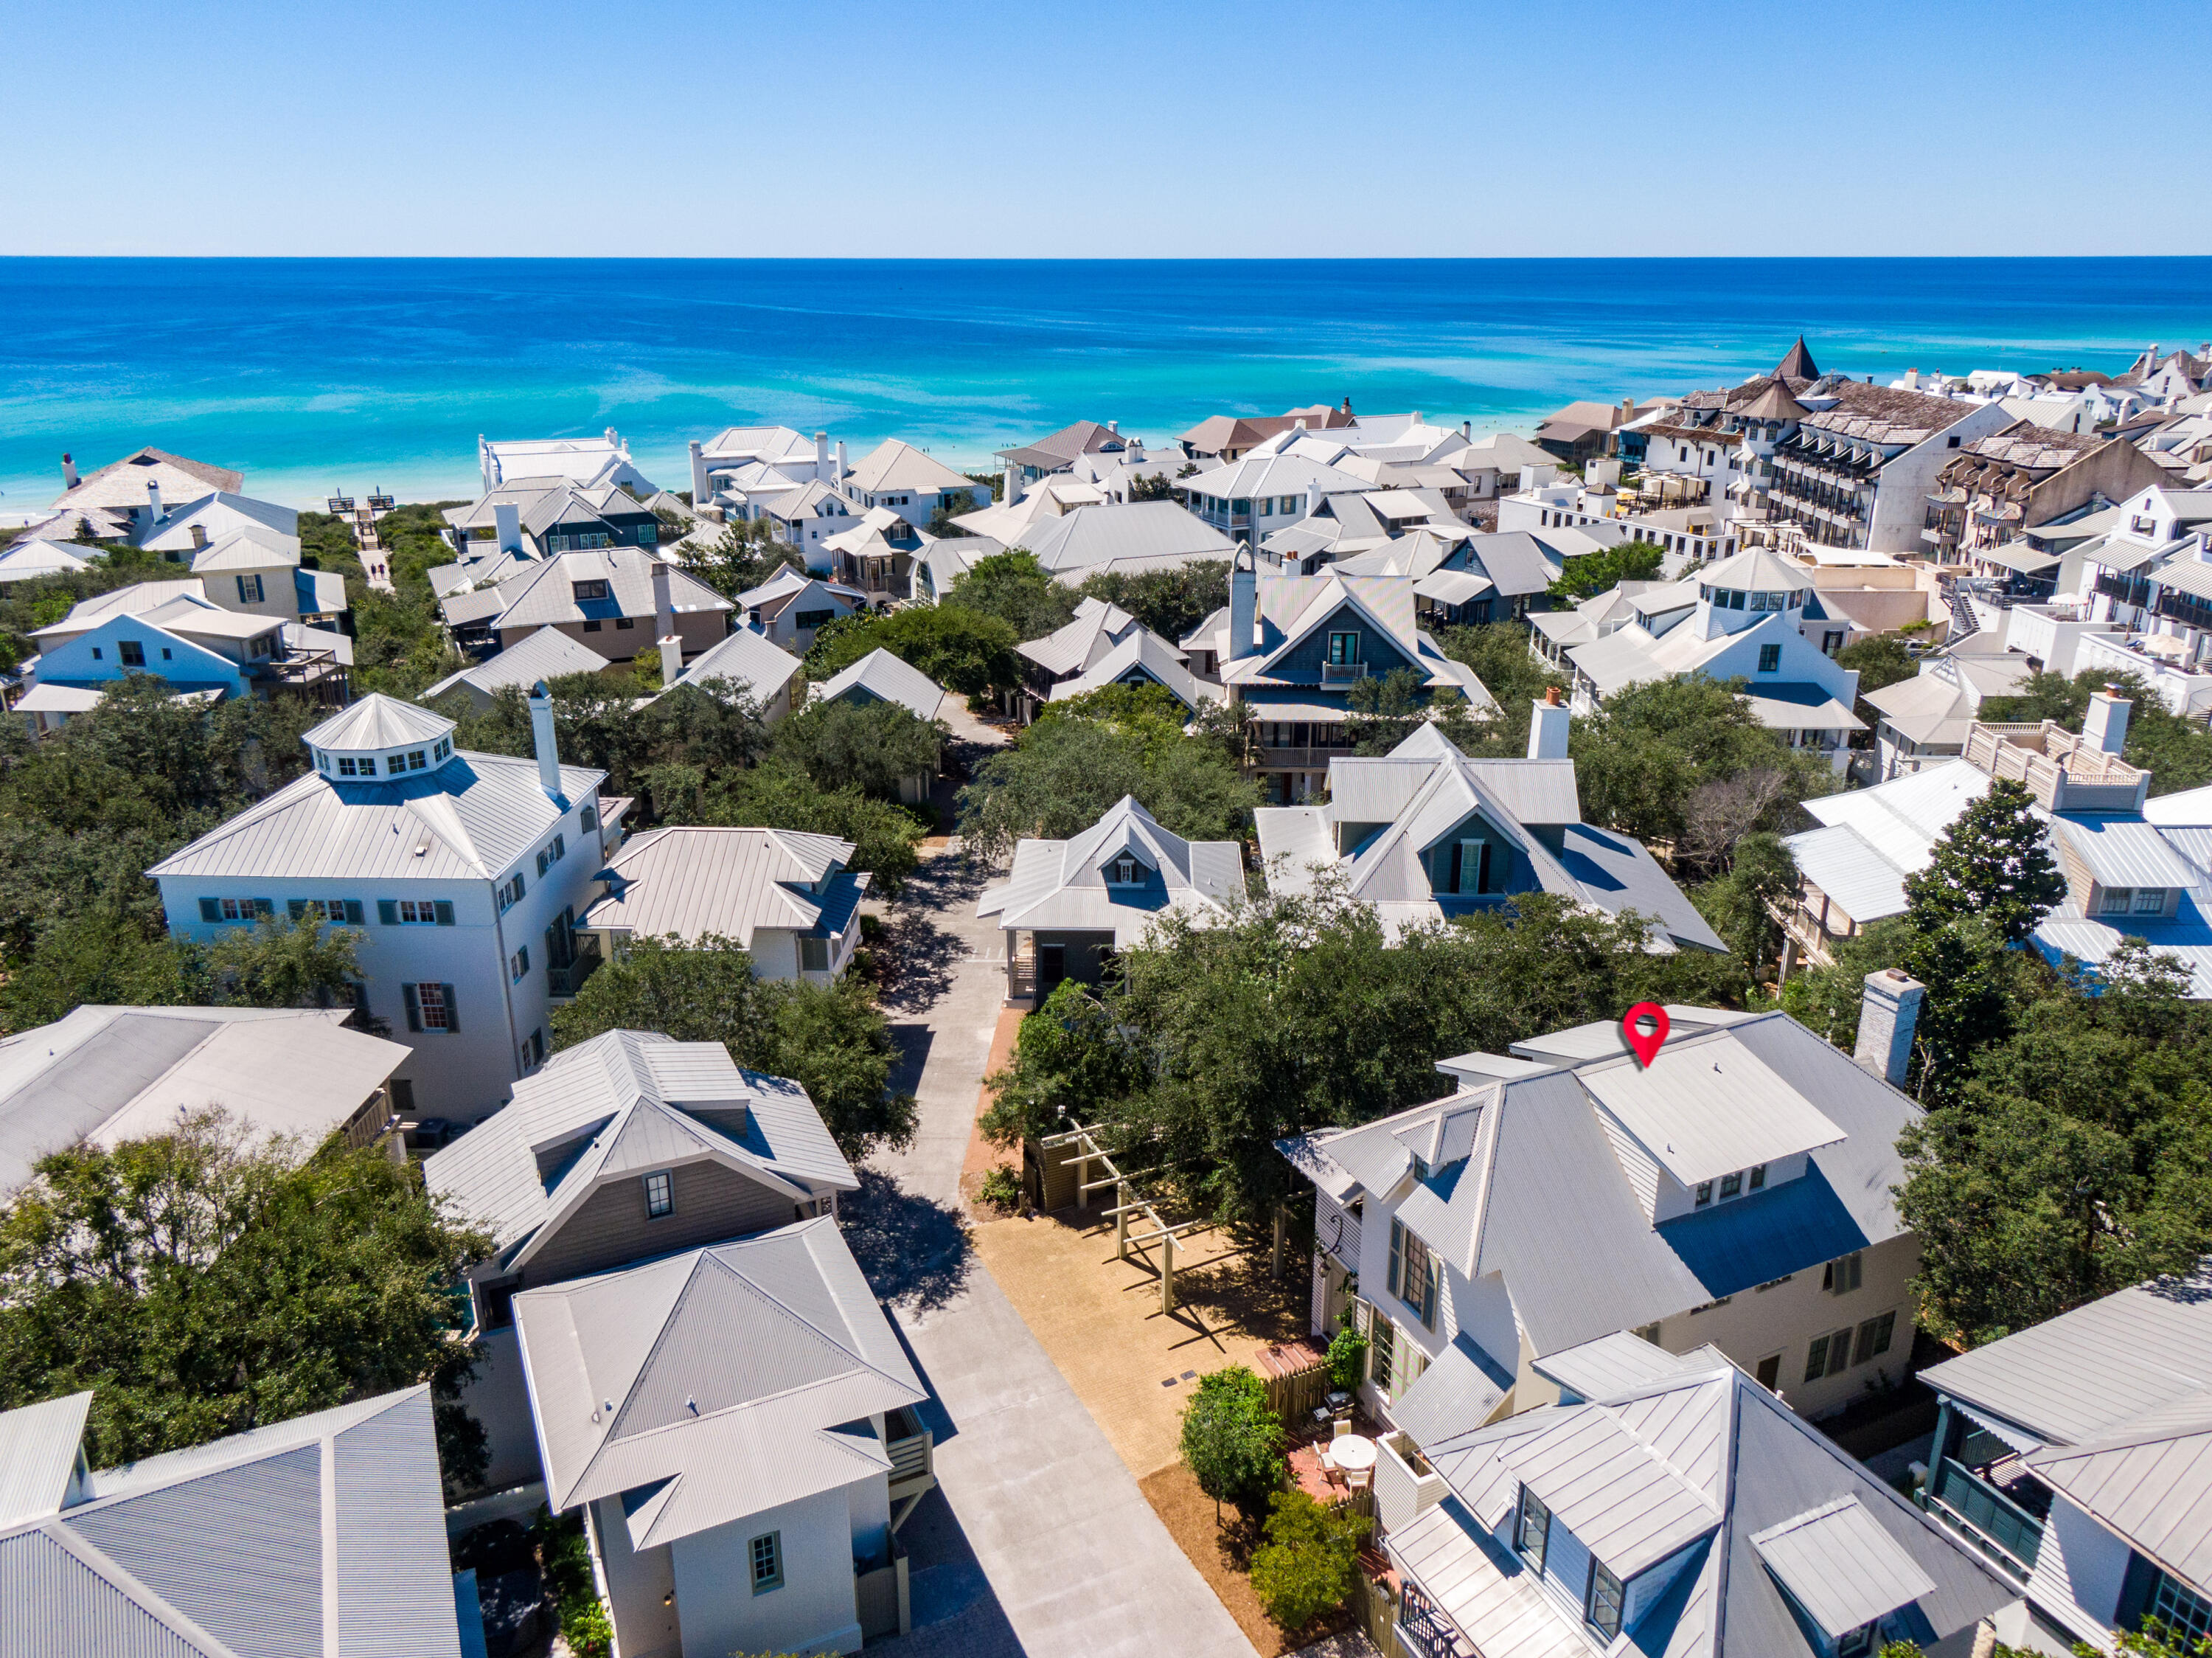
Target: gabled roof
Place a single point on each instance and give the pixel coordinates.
(1084, 437)
(110, 1074)
(30, 556)
(749, 657)
(249, 547)
(1059, 885)
(589, 1110)
(883, 677)
(893, 465)
(1096, 628)
(1700, 1464)
(277, 520)
(136, 600)
(545, 592)
(1143, 654)
(713, 1385)
(1544, 1198)
(322, 1535)
(545, 655)
(790, 582)
(690, 881)
(1114, 535)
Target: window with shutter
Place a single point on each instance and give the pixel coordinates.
(1843, 1274)
(387, 912)
(444, 911)
(1397, 1252)
(210, 909)
(1873, 1338)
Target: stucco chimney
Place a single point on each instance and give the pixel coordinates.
(1012, 486)
(1889, 1007)
(822, 456)
(153, 501)
(1243, 605)
(2105, 726)
(842, 468)
(671, 658)
(1115, 427)
(69, 474)
(699, 490)
(664, 605)
(1548, 727)
(542, 739)
(507, 526)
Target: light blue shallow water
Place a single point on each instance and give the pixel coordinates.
(311, 374)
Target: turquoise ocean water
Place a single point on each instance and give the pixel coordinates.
(314, 375)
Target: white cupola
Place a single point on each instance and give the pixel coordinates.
(1743, 592)
(380, 738)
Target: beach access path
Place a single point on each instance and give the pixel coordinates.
(1069, 1555)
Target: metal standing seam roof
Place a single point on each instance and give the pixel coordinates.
(1707, 1106)
(248, 547)
(1060, 884)
(1096, 628)
(684, 1095)
(1928, 708)
(225, 1551)
(378, 721)
(2124, 852)
(1142, 649)
(545, 655)
(1841, 1566)
(1612, 1364)
(2151, 1484)
(134, 601)
(747, 657)
(893, 465)
(109, 1073)
(39, 1446)
(688, 883)
(1113, 535)
(889, 679)
(545, 592)
(471, 819)
(1704, 1435)
(713, 1385)
(1842, 863)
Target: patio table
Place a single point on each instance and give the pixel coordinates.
(1353, 1453)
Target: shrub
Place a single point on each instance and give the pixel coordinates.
(1001, 1186)
(566, 1561)
(1231, 1443)
(1306, 1566)
(1347, 1358)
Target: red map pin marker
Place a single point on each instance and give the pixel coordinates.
(1646, 1042)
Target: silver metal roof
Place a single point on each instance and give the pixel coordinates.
(715, 1384)
(1613, 1364)
(316, 1537)
(474, 818)
(109, 1073)
(1841, 1566)
(886, 677)
(2151, 1484)
(2124, 852)
(688, 882)
(1842, 864)
(545, 655)
(746, 657)
(591, 1112)
(378, 721)
(1707, 1106)
(39, 1448)
(1060, 885)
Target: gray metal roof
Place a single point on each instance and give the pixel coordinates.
(2122, 851)
(885, 677)
(1060, 885)
(39, 1449)
(713, 1385)
(747, 657)
(1137, 535)
(228, 1550)
(546, 592)
(1637, 1466)
(592, 1111)
(473, 818)
(2087, 1374)
(1143, 654)
(111, 1074)
(2151, 1484)
(1707, 1106)
(1842, 864)
(1841, 1566)
(378, 721)
(1544, 1200)
(545, 655)
(1462, 1385)
(688, 882)
(1096, 628)
(1612, 1364)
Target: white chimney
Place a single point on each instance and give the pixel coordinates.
(1115, 427)
(507, 526)
(671, 658)
(153, 501)
(1243, 605)
(541, 738)
(822, 456)
(69, 474)
(2105, 727)
(1548, 727)
(699, 490)
(664, 606)
(842, 468)
(1013, 486)
(1889, 1007)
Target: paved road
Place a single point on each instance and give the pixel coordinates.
(1072, 1557)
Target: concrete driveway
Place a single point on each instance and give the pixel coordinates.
(1072, 1557)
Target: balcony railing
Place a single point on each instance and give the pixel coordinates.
(1342, 673)
(2004, 1530)
(912, 1448)
(567, 981)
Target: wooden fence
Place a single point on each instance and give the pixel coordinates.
(1296, 1374)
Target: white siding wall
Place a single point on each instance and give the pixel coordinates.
(1400, 1494)
(498, 1397)
(815, 1611)
(636, 1585)
(1640, 1168)
(1649, 1585)
(2078, 1571)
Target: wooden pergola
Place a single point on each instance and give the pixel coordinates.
(1089, 1150)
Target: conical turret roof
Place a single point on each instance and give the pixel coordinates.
(1798, 365)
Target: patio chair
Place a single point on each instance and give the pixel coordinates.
(1357, 1480)
(1339, 1428)
(1330, 1473)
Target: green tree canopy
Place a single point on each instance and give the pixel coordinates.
(1310, 1559)
(1066, 771)
(962, 650)
(869, 746)
(1231, 1441)
(1016, 588)
(746, 554)
(202, 1283)
(1992, 863)
(777, 794)
(1881, 659)
(833, 1038)
(1170, 602)
(1600, 572)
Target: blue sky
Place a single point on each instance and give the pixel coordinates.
(1120, 129)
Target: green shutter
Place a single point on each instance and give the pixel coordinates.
(209, 910)
(263, 906)
(353, 912)
(1397, 1248)
(1429, 1296)
(388, 913)
(296, 907)
(445, 914)
(453, 1011)
(414, 1008)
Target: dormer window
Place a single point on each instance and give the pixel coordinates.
(1126, 870)
(1601, 1601)
(1532, 1530)
(587, 591)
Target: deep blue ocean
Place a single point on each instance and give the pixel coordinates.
(314, 374)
